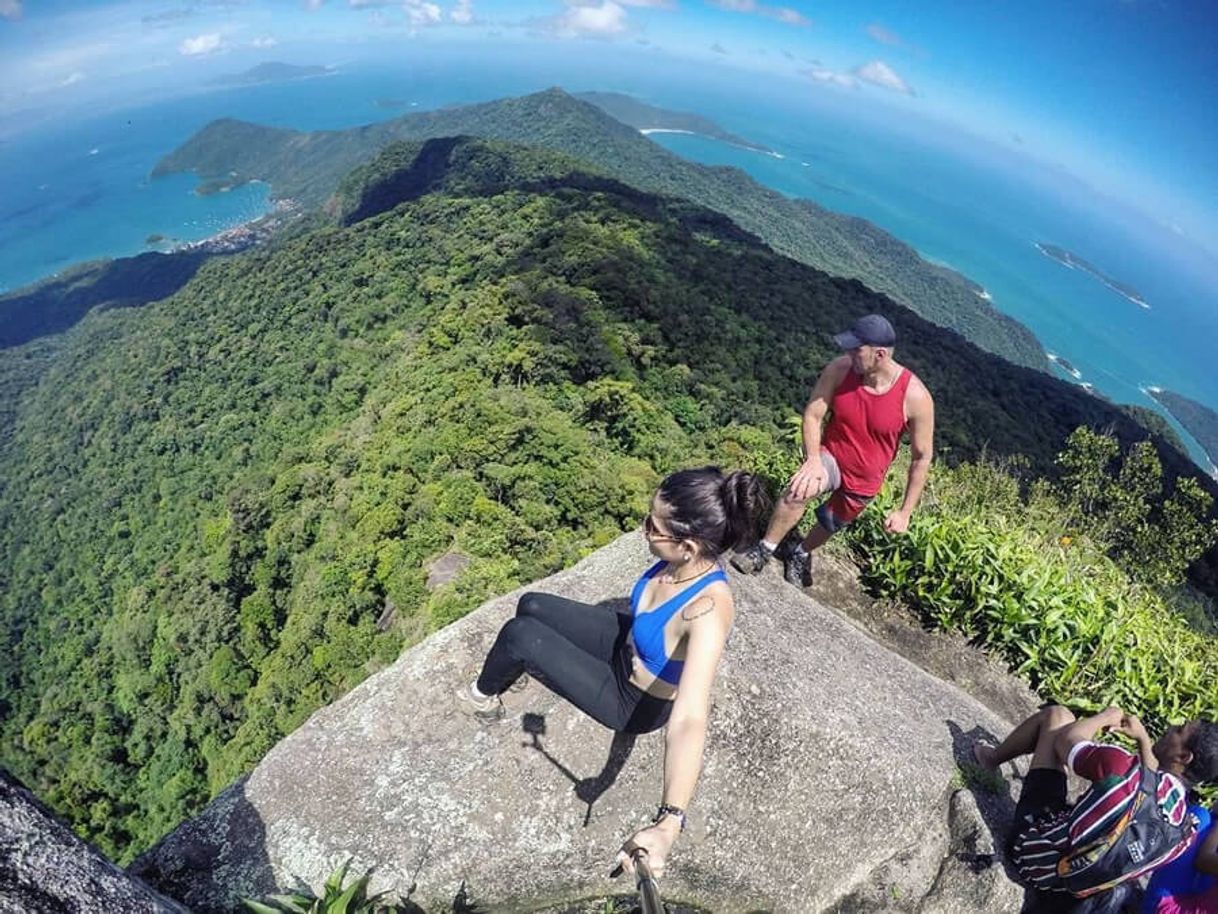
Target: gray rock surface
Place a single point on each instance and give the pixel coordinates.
(830, 784)
(446, 569)
(46, 869)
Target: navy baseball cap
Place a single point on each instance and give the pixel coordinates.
(869, 330)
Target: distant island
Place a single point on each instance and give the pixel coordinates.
(646, 118)
(1200, 421)
(1074, 262)
(1064, 365)
(269, 72)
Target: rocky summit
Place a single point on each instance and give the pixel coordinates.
(833, 781)
(45, 869)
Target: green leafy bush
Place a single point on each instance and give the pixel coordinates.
(982, 560)
(335, 899)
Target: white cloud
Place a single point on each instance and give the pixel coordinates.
(825, 75)
(420, 12)
(313, 5)
(606, 19)
(880, 74)
(10, 9)
(267, 41)
(660, 4)
(166, 18)
(781, 13)
(787, 15)
(462, 13)
(72, 78)
(201, 44)
(883, 35)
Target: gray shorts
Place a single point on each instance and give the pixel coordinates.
(841, 507)
(834, 474)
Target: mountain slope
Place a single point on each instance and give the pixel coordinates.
(217, 512)
(307, 167)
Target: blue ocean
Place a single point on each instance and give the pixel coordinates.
(82, 190)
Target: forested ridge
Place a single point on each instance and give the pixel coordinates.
(307, 167)
(217, 512)
(1199, 419)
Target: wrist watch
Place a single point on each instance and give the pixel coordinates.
(666, 810)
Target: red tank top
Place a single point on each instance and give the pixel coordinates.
(865, 431)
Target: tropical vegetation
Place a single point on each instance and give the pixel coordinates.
(218, 511)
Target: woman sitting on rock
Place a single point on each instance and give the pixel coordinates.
(624, 669)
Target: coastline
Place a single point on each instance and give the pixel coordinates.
(246, 234)
(760, 149)
(1154, 392)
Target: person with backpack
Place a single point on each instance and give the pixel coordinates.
(1133, 818)
(653, 666)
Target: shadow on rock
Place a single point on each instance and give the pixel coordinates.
(588, 789)
(992, 792)
(210, 860)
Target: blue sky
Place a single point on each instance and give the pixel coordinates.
(1118, 93)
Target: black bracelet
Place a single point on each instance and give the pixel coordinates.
(668, 810)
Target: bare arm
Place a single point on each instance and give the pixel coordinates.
(809, 480)
(921, 411)
(1084, 729)
(685, 736)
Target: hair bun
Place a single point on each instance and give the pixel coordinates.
(746, 501)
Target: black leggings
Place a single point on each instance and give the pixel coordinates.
(579, 652)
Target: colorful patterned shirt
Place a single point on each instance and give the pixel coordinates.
(1114, 775)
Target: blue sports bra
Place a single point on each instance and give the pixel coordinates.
(647, 628)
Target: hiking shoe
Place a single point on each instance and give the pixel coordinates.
(751, 561)
(797, 569)
(488, 710)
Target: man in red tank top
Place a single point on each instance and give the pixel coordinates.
(874, 400)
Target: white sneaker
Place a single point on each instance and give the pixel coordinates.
(487, 710)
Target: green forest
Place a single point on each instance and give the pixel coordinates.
(217, 511)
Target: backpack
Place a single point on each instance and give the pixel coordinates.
(1140, 840)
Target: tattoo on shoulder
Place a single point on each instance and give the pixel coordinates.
(698, 608)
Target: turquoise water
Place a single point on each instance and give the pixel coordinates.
(83, 191)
